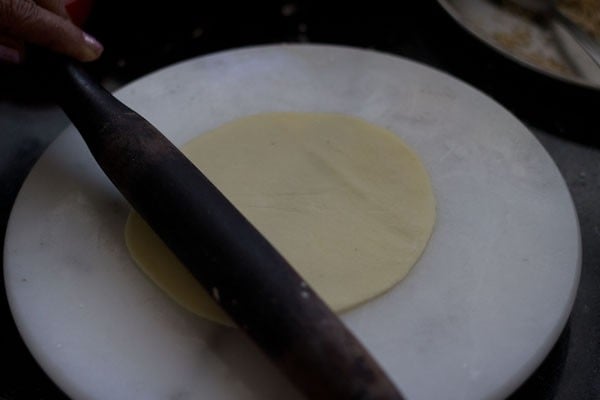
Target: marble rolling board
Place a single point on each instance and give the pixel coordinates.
(472, 320)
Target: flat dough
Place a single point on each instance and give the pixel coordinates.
(346, 202)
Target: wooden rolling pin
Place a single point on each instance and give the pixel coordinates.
(244, 273)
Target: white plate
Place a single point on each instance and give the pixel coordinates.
(476, 315)
(549, 50)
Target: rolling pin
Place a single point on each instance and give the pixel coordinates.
(243, 272)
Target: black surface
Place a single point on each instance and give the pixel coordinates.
(563, 117)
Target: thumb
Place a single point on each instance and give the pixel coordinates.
(25, 20)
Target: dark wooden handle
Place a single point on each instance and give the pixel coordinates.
(251, 281)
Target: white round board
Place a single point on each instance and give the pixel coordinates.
(472, 320)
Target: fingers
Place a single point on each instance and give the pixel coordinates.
(25, 20)
(11, 50)
(56, 6)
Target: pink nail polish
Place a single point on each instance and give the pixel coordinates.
(10, 55)
(93, 46)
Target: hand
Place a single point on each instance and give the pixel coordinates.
(44, 23)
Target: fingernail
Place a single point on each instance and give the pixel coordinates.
(93, 47)
(10, 55)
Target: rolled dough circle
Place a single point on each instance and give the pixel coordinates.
(346, 202)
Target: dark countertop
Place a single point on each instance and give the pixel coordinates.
(563, 118)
